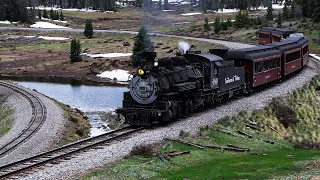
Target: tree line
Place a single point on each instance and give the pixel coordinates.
(310, 8)
(15, 10)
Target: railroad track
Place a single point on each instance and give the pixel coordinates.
(16, 169)
(38, 118)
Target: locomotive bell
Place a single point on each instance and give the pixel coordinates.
(149, 59)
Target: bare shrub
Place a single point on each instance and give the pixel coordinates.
(308, 144)
(284, 112)
(145, 150)
(184, 134)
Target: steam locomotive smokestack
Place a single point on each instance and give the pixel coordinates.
(150, 59)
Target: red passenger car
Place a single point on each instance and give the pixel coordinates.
(304, 43)
(292, 55)
(262, 64)
(269, 35)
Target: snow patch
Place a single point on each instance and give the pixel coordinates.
(227, 11)
(274, 6)
(48, 38)
(47, 25)
(167, 10)
(96, 131)
(181, 23)
(190, 14)
(7, 22)
(315, 56)
(60, 21)
(69, 9)
(109, 55)
(119, 74)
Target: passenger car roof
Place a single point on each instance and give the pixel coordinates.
(279, 31)
(242, 54)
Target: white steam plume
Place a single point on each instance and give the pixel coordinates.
(184, 46)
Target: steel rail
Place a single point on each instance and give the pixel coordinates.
(64, 152)
(38, 118)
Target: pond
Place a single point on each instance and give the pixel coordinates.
(92, 100)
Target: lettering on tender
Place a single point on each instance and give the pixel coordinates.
(228, 80)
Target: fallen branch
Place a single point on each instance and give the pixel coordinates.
(250, 136)
(245, 134)
(175, 153)
(164, 157)
(273, 129)
(238, 147)
(187, 143)
(268, 141)
(224, 148)
(252, 126)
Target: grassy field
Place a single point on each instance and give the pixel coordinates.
(263, 161)
(284, 144)
(104, 44)
(5, 119)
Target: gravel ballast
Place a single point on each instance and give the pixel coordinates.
(49, 133)
(97, 158)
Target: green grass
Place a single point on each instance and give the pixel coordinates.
(270, 161)
(5, 119)
(96, 15)
(43, 46)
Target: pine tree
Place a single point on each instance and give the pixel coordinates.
(139, 3)
(242, 19)
(316, 12)
(229, 22)
(142, 44)
(279, 20)
(61, 16)
(217, 25)
(269, 13)
(285, 11)
(88, 31)
(224, 26)
(206, 26)
(160, 5)
(75, 50)
(39, 14)
(57, 16)
(45, 13)
(166, 5)
(52, 14)
(293, 10)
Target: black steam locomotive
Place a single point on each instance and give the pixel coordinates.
(179, 85)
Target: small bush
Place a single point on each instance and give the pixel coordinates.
(142, 150)
(284, 112)
(184, 134)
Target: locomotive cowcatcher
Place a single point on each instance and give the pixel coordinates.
(180, 85)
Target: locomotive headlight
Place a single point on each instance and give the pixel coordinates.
(141, 72)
